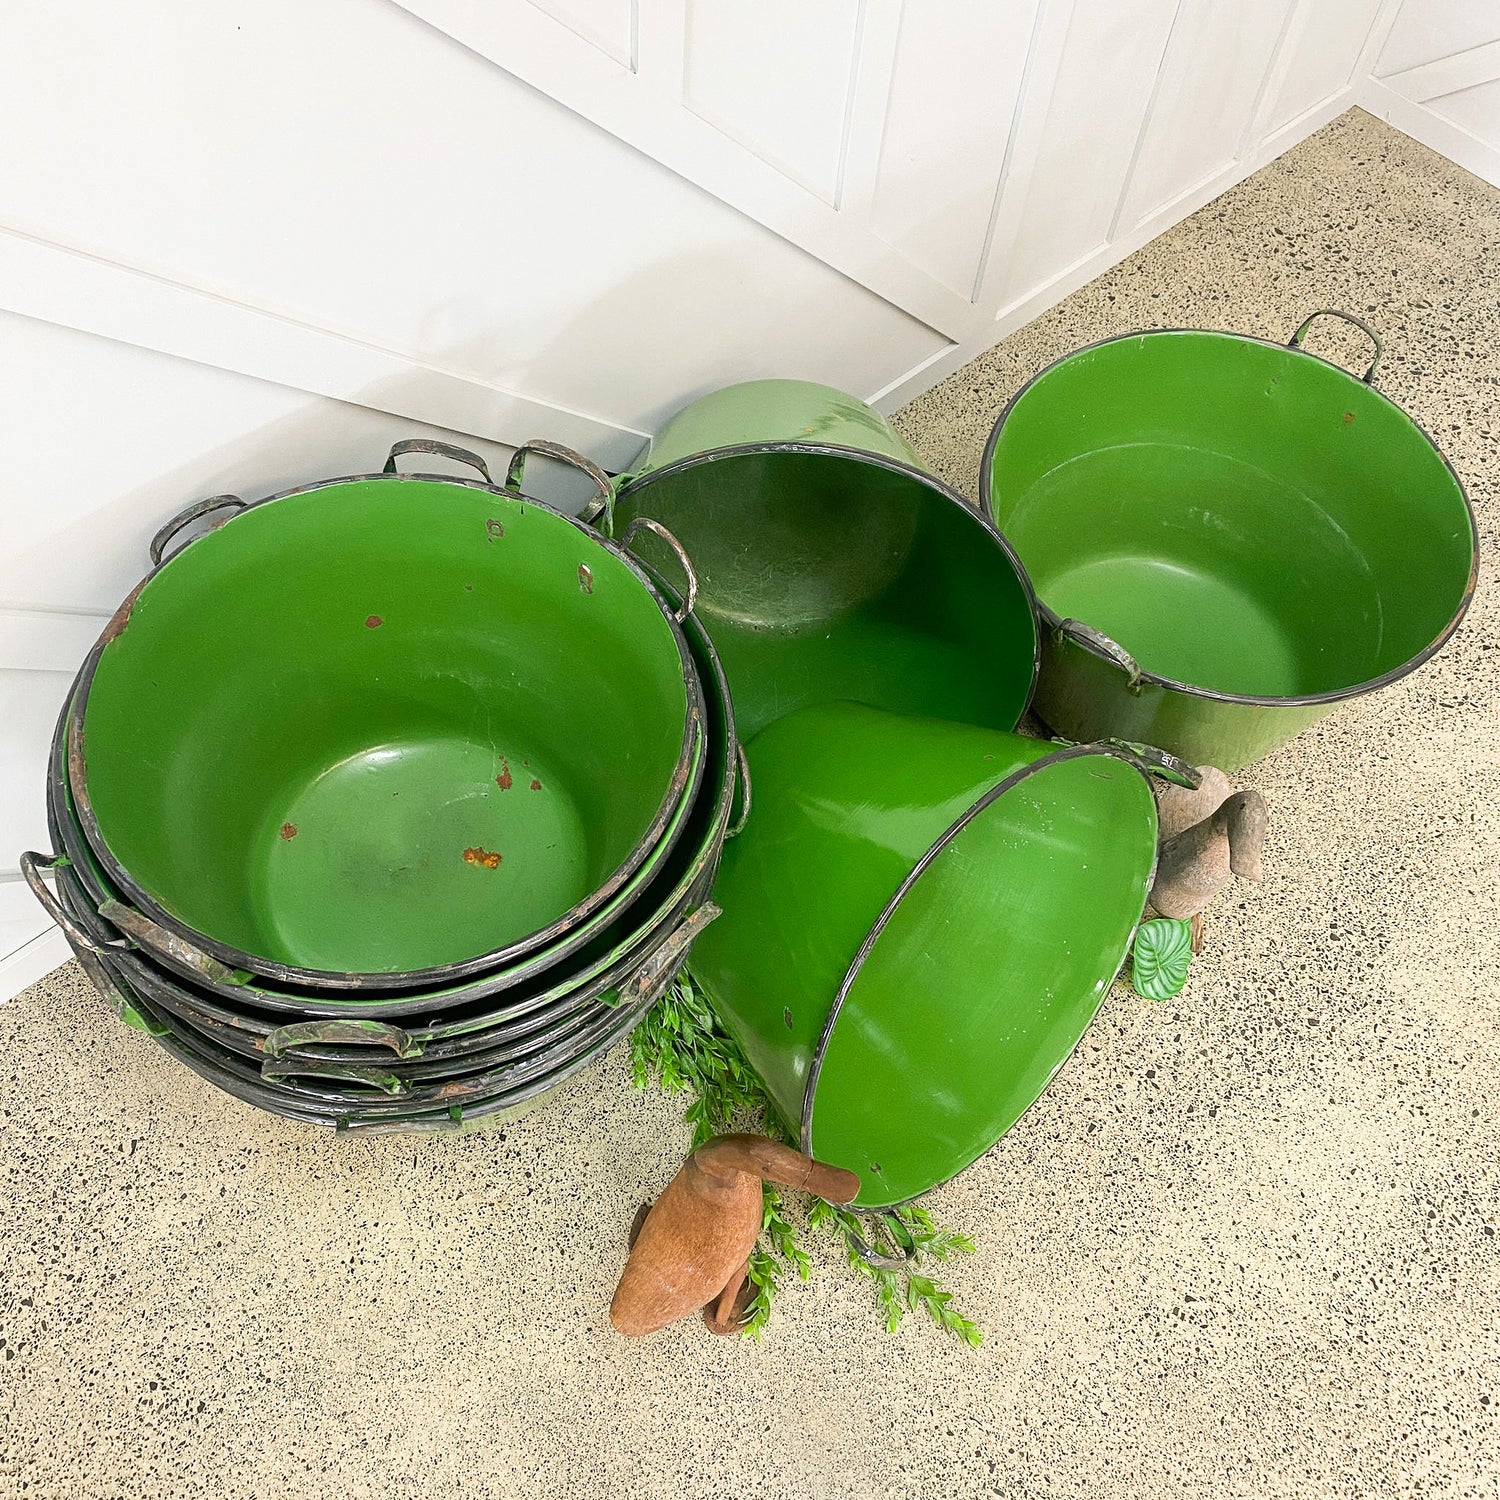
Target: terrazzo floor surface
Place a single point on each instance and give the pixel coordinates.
(1245, 1246)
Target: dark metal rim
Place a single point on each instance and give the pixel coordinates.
(523, 1077)
(683, 782)
(413, 1122)
(522, 1034)
(872, 938)
(196, 992)
(880, 461)
(421, 1074)
(502, 1080)
(1053, 621)
(665, 915)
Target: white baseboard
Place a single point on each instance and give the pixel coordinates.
(1431, 130)
(1034, 303)
(32, 961)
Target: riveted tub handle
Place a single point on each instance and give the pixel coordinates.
(151, 935)
(904, 1256)
(32, 865)
(287, 1039)
(402, 1124)
(1161, 763)
(190, 513)
(276, 1069)
(646, 985)
(602, 504)
(1295, 342)
(1102, 645)
(442, 450)
(690, 601)
(743, 780)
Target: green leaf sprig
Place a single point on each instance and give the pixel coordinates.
(681, 1044)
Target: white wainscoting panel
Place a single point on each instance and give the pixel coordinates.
(1438, 79)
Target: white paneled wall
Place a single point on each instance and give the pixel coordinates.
(967, 160)
(246, 246)
(1437, 77)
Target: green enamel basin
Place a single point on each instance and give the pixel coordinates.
(831, 566)
(386, 731)
(919, 921)
(1228, 538)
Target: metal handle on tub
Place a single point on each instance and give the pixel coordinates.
(601, 505)
(690, 600)
(287, 1039)
(1161, 763)
(278, 1069)
(743, 781)
(905, 1253)
(645, 986)
(1102, 645)
(1295, 342)
(402, 1124)
(152, 935)
(191, 513)
(32, 865)
(442, 450)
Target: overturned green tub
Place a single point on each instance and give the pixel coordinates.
(918, 923)
(831, 565)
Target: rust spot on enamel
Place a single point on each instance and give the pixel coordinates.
(121, 617)
(76, 775)
(1348, 416)
(288, 830)
(489, 858)
(536, 785)
(494, 527)
(373, 622)
(585, 578)
(505, 781)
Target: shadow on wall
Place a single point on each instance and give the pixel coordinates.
(104, 549)
(599, 363)
(602, 359)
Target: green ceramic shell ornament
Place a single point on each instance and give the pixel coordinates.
(1159, 964)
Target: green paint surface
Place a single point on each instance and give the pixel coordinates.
(315, 739)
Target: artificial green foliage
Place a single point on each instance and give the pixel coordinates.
(1163, 951)
(912, 1236)
(681, 1044)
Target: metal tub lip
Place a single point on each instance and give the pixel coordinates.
(872, 938)
(683, 781)
(67, 838)
(689, 887)
(629, 483)
(504, 1023)
(532, 1079)
(532, 1031)
(1053, 622)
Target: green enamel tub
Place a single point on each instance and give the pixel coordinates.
(831, 565)
(384, 733)
(450, 1024)
(919, 921)
(1228, 537)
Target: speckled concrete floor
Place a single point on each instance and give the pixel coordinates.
(1245, 1246)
